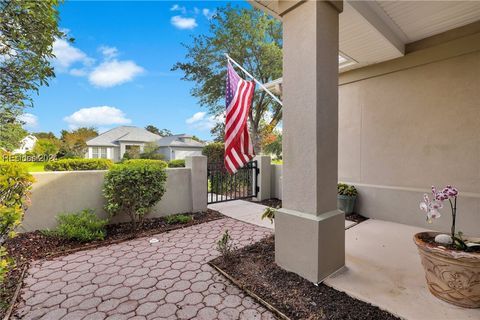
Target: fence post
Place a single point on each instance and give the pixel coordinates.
(198, 178)
(264, 178)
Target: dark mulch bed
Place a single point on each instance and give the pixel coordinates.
(355, 217)
(274, 203)
(30, 246)
(254, 269)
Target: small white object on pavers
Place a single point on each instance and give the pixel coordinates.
(383, 268)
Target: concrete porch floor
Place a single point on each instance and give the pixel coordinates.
(250, 212)
(384, 269)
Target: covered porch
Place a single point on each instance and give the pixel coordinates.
(386, 94)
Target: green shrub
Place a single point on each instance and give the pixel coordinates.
(83, 226)
(15, 185)
(178, 218)
(179, 163)
(214, 152)
(78, 164)
(134, 187)
(346, 190)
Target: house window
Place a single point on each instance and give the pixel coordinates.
(99, 152)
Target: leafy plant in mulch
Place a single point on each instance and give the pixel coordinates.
(134, 187)
(269, 213)
(83, 226)
(225, 245)
(178, 218)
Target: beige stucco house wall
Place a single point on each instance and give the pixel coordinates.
(412, 122)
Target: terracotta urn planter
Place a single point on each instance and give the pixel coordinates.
(453, 276)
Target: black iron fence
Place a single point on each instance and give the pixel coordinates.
(223, 186)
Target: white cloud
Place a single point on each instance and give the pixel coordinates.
(81, 72)
(66, 55)
(31, 120)
(97, 116)
(108, 52)
(183, 23)
(208, 13)
(114, 72)
(196, 117)
(202, 121)
(177, 7)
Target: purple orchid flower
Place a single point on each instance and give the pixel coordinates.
(431, 207)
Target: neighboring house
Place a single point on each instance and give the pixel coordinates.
(26, 145)
(179, 146)
(113, 144)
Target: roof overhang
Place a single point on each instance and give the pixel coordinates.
(376, 31)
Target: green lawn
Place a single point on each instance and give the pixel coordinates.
(277, 161)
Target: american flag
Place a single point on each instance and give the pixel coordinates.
(238, 97)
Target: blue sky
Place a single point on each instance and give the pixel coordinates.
(118, 69)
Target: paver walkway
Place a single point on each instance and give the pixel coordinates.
(137, 279)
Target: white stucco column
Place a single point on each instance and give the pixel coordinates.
(264, 178)
(309, 231)
(199, 184)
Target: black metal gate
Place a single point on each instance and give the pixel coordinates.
(223, 186)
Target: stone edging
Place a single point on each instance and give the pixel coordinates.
(17, 292)
(271, 308)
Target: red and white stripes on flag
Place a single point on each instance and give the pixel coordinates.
(238, 145)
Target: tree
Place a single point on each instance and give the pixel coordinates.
(162, 132)
(44, 135)
(272, 144)
(11, 134)
(46, 146)
(28, 29)
(152, 129)
(254, 40)
(74, 143)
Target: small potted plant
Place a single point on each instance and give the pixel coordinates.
(451, 261)
(346, 198)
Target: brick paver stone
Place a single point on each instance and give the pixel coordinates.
(137, 279)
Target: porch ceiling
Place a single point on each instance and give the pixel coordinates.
(376, 31)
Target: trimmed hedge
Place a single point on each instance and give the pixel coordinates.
(144, 162)
(179, 163)
(79, 164)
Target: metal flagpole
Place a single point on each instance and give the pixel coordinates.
(256, 81)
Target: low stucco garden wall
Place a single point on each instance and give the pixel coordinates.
(67, 192)
(276, 181)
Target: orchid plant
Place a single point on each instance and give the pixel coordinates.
(432, 207)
